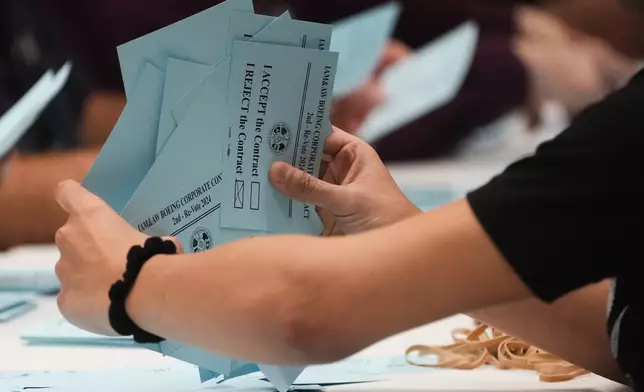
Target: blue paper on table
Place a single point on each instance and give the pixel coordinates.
(179, 377)
(21, 116)
(61, 332)
(426, 80)
(360, 40)
(166, 175)
(12, 306)
(429, 197)
(29, 280)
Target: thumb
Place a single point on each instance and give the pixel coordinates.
(303, 187)
(75, 199)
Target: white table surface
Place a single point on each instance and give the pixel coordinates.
(18, 356)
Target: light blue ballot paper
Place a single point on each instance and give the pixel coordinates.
(182, 191)
(199, 38)
(186, 183)
(61, 332)
(180, 77)
(428, 79)
(28, 280)
(278, 31)
(240, 28)
(12, 306)
(278, 103)
(21, 116)
(221, 366)
(130, 150)
(267, 29)
(361, 39)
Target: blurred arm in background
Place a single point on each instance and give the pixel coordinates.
(29, 212)
(64, 140)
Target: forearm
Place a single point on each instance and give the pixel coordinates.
(573, 328)
(309, 300)
(28, 209)
(249, 299)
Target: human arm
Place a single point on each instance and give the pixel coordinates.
(574, 327)
(601, 17)
(252, 300)
(101, 111)
(28, 209)
(559, 220)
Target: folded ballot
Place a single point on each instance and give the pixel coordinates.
(212, 101)
(12, 306)
(20, 117)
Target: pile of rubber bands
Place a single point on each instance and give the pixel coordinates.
(487, 346)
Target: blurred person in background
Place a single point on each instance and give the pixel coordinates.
(530, 52)
(64, 142)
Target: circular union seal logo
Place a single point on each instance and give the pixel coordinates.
(201, 240)
(279, 138)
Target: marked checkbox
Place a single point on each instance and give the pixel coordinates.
(239, 194)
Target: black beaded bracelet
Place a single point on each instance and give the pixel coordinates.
(120, 290)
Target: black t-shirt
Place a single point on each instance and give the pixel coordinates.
(572, 215)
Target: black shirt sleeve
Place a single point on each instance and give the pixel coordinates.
(571, 214)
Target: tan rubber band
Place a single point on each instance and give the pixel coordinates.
(488, 346)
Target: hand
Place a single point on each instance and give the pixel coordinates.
(535, 23)
(395, 52)
(93, 246)
(576, 74)
(356, 192)
(351, 111)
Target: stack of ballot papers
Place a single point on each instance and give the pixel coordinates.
(12, 306)
(212, 102)
(21, 116)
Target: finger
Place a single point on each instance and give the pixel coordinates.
(303, 187)
(394, 52)
(75, 199)
(338, 140)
